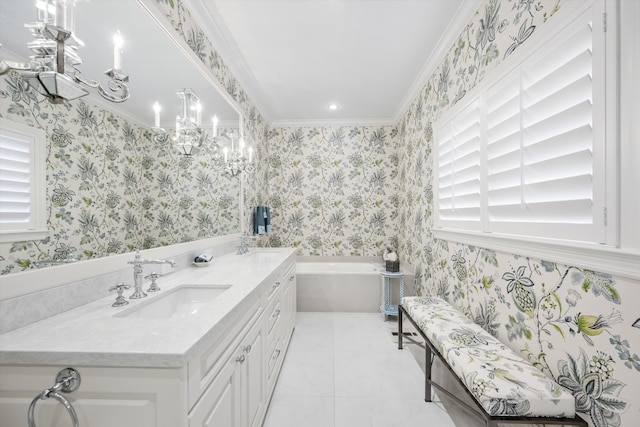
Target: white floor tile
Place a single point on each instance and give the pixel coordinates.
(313, 332)
(377, 375)
(292, 411)
(361, 412)
(344, 370)
(306, 374)
(361, 333)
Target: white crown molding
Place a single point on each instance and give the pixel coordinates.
(211, 22)
(333, 122)
(461, 18)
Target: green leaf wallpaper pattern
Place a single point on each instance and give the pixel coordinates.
(333, 189)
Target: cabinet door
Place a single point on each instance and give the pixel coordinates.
(253, 376)
(288, 300)
(107, 397)
(220, 405)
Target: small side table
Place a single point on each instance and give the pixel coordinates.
(387, 308)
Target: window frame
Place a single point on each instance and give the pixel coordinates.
(612, 258)
(39, 230)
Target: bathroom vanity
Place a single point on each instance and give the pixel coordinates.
(206, 350)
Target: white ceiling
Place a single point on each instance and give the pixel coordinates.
(295, 57)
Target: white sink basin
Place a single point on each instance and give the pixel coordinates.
(178, 303)
(264, 253)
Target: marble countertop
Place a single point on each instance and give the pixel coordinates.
(92, 335)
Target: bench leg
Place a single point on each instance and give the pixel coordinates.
(427, 373)
(399, 329)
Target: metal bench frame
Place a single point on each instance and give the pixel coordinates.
(490, 420)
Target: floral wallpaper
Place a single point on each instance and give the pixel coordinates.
(333, 190)
(578, 326)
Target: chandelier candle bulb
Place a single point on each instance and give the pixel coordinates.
(156, 111)
(215, 126)
(117, 51)
(60, 14)
(250, 153)
(226, 152)
(198, 113)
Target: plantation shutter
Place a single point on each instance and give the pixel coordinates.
(16, 158)
(458, 190)
(540, 142)
(22, 186)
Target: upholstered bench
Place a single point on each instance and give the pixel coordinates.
(505, 387)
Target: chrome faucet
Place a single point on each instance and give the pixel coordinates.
(138, 262)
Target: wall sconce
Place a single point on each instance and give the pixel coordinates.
(53, 70)
(236, 157)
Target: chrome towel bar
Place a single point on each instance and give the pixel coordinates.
(67, 381)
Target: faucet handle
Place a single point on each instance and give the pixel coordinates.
(154, 286)
(120, 300)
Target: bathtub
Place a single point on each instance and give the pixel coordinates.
(353, 286)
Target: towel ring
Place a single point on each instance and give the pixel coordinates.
(67, 381)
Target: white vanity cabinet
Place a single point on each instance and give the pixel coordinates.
(227, 382)
(239, 393)
(235, 397)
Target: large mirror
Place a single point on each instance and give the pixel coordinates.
(110, 188)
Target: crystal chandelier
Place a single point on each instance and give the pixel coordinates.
(236, 158)
(188, 137)
(53, 69)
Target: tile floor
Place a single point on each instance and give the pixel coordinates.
(344, 370)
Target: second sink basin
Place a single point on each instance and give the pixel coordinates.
(181, 302)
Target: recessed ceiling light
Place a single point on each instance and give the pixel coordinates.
(333, 107)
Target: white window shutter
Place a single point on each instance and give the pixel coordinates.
(458, 190)
(526, 156)
(540, 163)
(22, 184)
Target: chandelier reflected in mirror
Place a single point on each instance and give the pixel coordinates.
(188, 136)
(227, 148)
(53, 69)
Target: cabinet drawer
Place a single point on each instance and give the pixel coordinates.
(204, 367)
(273, 313)
(273, 356)
(274, 286)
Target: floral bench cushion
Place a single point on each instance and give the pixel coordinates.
(502, 382)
